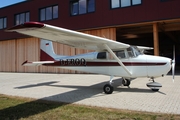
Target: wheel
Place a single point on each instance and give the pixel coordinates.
(155, 90)
(108, 89)
(126, 82)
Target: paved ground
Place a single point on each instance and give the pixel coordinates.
(87, 89)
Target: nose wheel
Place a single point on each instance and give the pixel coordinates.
(154, 86)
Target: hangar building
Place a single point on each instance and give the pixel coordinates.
(152, 23)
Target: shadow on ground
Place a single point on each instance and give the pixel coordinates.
(28, 109)
(35, 107)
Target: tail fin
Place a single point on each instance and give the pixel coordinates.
(47, 51)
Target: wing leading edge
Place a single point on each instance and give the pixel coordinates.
(65, 36)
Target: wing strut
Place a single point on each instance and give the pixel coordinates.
(116, 58)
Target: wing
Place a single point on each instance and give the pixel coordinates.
(143, 49)
(65, 36)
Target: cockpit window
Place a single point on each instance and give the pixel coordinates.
(133, 51)
(121, 54)
(130, 52)
(136, 50)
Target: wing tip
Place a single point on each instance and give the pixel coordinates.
(26, 25)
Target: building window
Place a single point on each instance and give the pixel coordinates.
(22, 18)
(91, 6)
(3, 23)
(82, 6)
(115, 3)
(49, 13)
(136, 2)
(74, 8)
(124, 3)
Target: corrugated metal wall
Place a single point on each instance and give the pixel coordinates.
(14, 52)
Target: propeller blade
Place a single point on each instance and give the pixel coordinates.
(173, 63)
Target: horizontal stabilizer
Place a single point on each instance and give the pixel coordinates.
(37, 63)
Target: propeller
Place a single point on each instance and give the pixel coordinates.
(173, 63)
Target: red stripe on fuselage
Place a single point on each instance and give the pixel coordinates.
(94, 64)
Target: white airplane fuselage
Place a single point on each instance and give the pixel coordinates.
(140, 66)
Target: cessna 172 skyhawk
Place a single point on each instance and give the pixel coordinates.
(111, 58)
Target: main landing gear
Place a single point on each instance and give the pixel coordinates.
(154, 86)
(108, 88)
(126, 82)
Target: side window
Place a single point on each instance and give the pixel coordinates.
(130, 52)
(121, 54)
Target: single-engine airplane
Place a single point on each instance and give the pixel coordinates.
(110, 57)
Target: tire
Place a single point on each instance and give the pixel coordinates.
(126, 82)
(155, 90)
(108, 89)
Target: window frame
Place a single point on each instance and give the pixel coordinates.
(120, 4)
(4, 22)
(88, 7)
(19, 15)
(50, 16)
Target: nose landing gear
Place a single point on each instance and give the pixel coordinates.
(154, 86)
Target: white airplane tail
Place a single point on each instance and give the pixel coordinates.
(47, 51)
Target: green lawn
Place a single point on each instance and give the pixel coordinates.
(13, 108)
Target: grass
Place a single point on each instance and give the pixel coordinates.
(15, 108)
